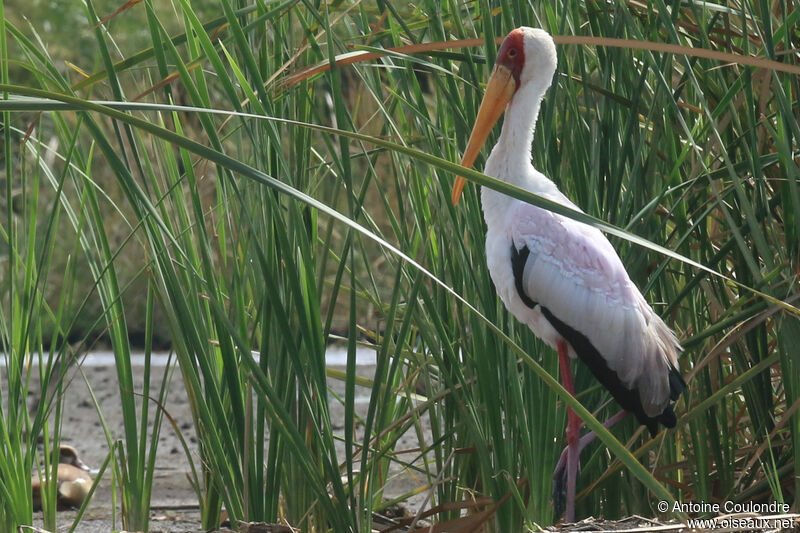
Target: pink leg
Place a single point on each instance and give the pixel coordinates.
(573, 431)
(570, 457)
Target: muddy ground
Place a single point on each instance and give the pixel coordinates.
(174, 503)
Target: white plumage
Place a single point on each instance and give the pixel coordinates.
(570, 286)
(572, 270)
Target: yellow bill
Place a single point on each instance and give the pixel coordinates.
(499, 91)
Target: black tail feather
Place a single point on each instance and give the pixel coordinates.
(591, 357)
(676, 383)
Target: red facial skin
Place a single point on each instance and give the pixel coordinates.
(512, 54)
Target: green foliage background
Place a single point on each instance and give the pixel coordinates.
(296, 213)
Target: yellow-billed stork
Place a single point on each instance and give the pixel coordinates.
(561, 277)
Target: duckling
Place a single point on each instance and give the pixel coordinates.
(72, 479)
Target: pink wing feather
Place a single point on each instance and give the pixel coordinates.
(573, 271)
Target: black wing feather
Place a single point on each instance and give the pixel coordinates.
(591, 357)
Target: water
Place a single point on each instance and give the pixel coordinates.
(334, 356)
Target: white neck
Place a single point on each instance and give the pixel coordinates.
(510, 159)
(519, 123)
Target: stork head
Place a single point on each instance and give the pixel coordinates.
(527, 58)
